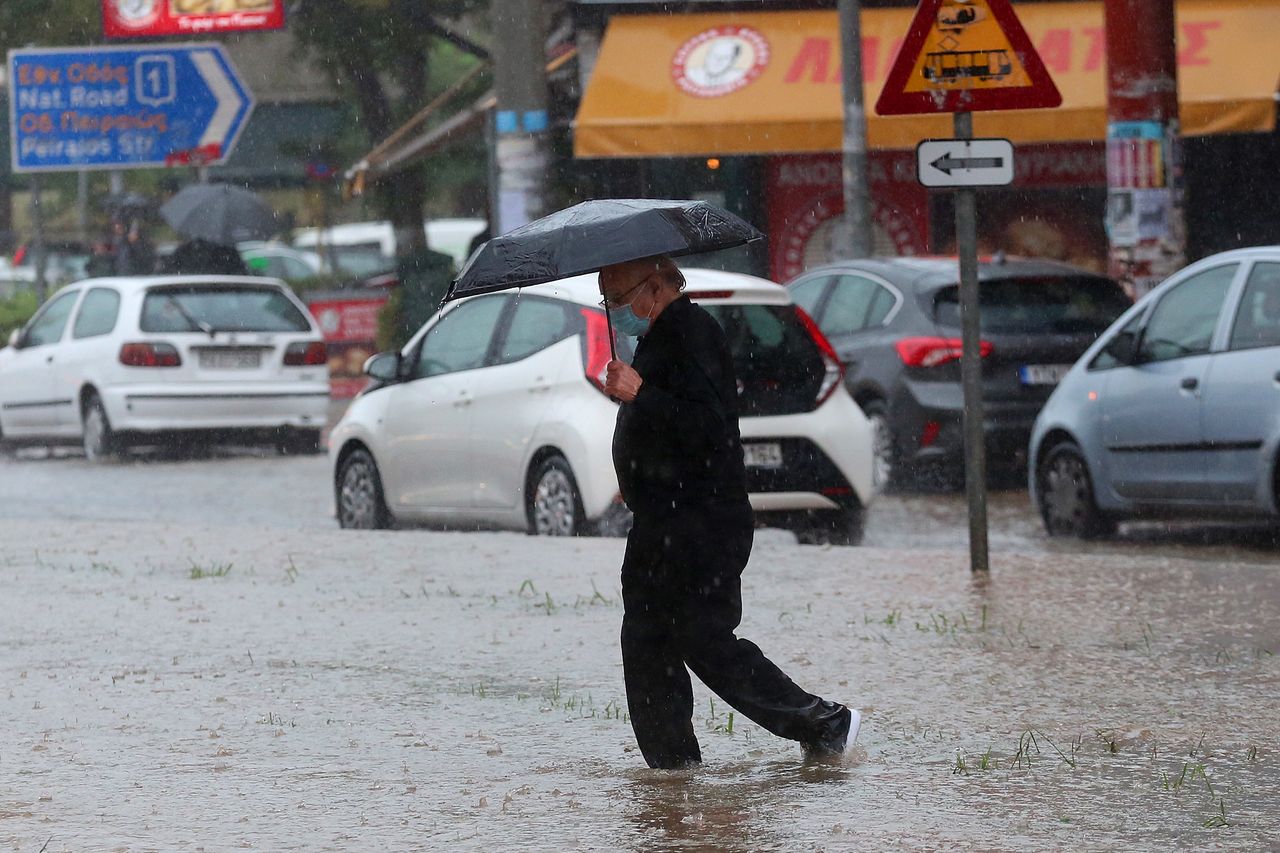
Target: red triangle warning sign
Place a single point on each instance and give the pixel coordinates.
(966, 56)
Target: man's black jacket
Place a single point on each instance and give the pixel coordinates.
(677, 444)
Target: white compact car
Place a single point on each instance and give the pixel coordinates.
(494, 415)
(111, 362)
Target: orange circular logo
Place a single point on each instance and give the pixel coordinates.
(720, 60)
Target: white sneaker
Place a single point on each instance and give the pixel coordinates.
(855, 722)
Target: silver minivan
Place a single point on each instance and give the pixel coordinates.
(1175, 410)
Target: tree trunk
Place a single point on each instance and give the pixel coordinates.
(402, 196)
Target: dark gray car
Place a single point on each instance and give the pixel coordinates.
(895, 323)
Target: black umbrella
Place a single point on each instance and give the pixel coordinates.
(127, 202)
(595, 234)
(220, 213)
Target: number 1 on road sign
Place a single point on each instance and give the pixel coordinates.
(156, 84)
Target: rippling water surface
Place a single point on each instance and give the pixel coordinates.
(205, 687)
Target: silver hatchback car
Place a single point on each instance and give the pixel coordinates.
(1175, 410)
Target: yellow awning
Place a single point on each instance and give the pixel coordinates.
(769, 82)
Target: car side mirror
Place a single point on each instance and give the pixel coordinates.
(1123, 347)
(384, 367)
(15, 339)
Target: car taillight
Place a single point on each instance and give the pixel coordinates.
(833, 370)
(595, 344)
(929, 433)
(930, 352)
(149, 355)
(306, 353)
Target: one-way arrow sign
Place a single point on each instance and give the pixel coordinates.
(965, 162)
(124, 107)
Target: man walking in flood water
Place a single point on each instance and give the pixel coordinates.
(678, 457)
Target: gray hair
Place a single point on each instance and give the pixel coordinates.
(668, 271)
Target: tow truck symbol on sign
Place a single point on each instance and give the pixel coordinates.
(957, 66)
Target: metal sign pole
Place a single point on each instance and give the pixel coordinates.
(38, 261)
(975, 454)
(857, 239)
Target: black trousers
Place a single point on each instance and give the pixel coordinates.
(682, 600)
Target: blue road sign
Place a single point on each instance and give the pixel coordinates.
(129, 107)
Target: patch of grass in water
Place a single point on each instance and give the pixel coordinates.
(1219, 819)
(214, 570)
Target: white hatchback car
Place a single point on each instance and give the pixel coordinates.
(494, 415)
(116, 361)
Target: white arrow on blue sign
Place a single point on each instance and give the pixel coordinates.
(131, 107)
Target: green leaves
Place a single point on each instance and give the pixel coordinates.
(50, 23)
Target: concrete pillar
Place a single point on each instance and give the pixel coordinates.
(520, 119)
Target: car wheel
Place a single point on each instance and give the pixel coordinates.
(300, 442)
(883, 455)
(554, 506)
(361, 504)
(97, 436)
(1065, 494)
(833, 527)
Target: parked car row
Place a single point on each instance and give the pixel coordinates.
(494, 414)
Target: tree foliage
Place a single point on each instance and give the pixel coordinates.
(49, 23)
(385, 56)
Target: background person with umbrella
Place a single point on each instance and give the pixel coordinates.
(678, 457)
(127, 249)
(131, 248)
(215, 217)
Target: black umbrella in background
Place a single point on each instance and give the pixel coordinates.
(128, 204)
(594, 234)
(220, 213)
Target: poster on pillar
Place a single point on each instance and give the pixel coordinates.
(806, 201)
(1144, 217)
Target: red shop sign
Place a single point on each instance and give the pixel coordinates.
(132, 18)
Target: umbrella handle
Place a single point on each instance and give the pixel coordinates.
(613, 353)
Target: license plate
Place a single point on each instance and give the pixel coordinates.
(1043, 374)
(762, 455)
(233, 359)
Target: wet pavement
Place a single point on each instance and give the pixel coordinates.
(245, 486)
(193, 658)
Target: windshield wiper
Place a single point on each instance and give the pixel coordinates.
(195, 324)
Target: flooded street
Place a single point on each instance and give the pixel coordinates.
(211, 665)
(241, 486)
(533, 261)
